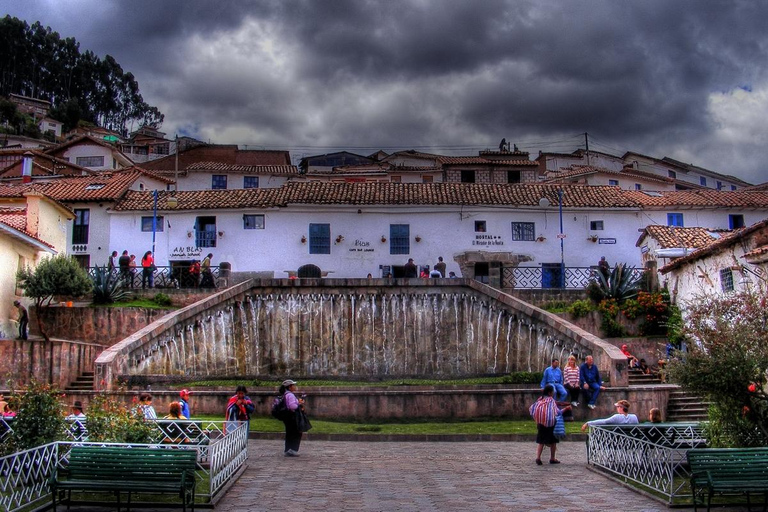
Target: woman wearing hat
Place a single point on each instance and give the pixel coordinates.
(292, 431)
(622, 417)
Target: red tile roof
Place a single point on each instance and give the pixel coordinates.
(732, 238)
(16, 218)
(705, 198)
(102, 186)
(221, 153)
(478, 160)
(44, 165)
(387, 194)
(671, 236)
(283, 170)
(574, 171)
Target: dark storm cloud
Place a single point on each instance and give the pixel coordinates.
(656, 77)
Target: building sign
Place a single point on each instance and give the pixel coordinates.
(186, 252)
(644, 249)
(608, 241)
(487, 240)
(361, 246)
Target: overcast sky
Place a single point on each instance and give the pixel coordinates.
(684, 79)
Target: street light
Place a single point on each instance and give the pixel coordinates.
(561, 236)
(544, 203)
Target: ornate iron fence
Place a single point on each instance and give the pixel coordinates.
(576, 278)
(220, 455)
(651, 455)
(176, 276)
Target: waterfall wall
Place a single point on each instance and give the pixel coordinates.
(354, 328)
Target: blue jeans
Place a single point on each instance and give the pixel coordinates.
(561, 394)
(592, 392)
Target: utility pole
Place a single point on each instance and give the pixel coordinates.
(586, 143)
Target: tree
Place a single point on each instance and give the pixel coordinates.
(726, 362)
(59, 275)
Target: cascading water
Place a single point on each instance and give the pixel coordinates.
(373, 334)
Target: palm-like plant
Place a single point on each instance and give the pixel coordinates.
(107, 287)
(621, 284)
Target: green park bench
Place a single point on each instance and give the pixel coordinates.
(728, 471)
(127, 470)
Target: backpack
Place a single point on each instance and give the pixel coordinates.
(543, 413)
(279, 408)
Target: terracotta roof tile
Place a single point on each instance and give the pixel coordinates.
(706, 198)
(103, 186)
(727, 240)
(574, 171)
(384, 194)
(244, 169)
(671, 236)
(221, 153)
(478, 160)
(16, 218)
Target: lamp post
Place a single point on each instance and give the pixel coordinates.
(154, 221)
(561, 236)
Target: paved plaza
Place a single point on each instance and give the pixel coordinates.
(332, 476)
(425, 477)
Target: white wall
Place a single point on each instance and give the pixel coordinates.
(82, 150)
(197, 180)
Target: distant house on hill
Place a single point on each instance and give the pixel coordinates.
(88, 151)
(735, 262)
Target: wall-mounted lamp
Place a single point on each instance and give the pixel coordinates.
(171, 202)
(418, 238)
(221, 234)
(383, 239)
(541, 238)
(339, 239)
(189, 234)
(303, 239)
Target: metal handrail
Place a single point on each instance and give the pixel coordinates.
(175, 276)
(539, 277)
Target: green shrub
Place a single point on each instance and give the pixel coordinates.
(110, 421)
(523, 378)
(581, 308)
(162, 299)
(39, 417)
(107, 287)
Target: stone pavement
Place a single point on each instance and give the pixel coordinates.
(424, 477)
(332, 476)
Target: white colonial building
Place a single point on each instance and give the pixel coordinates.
(354, 229)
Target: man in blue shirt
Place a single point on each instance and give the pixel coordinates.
(590, 381)
(554, 375)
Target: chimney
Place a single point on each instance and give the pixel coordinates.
(26, 167)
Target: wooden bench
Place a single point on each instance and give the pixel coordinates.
(728, 471)
(126, 470)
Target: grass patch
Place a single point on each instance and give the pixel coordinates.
(135, 303)
(408, 427)
(513, 378)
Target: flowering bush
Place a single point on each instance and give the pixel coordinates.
(110, 421)
(726, 362)
(39, 418)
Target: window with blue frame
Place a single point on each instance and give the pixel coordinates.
(146, 224)
(735, 221)
(219, 182)
(399, 238)
(675, 219)
(524, 231)
(319, 239)
(251, 182)
(638, 186)
(719, 185)
(702, 181)
(613, 183)
(733, 187)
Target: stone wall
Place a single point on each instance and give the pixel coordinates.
(24, 360)
(371, 404)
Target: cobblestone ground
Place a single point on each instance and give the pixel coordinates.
(425, 477)
(332, 476)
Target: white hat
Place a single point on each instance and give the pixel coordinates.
(288, 382)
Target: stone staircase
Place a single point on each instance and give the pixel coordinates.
(83, 383)
(687, 407)
(638, 378)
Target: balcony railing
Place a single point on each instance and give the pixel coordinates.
(576, 278)
(176, 276)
